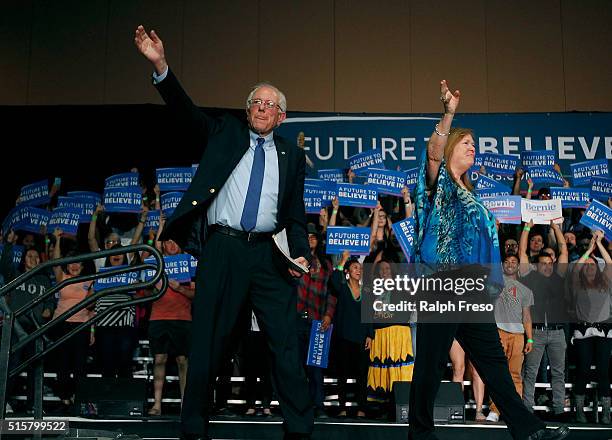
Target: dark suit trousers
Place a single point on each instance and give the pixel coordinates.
(233, 274)
(481, 343)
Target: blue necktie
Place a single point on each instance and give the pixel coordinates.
(251, 204)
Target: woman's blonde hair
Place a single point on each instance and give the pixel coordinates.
(455, 135)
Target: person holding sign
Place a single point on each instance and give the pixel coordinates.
(592, 298)
(249, 185)
(170, 326)
(454, 227)
(116, 332)
(74, 351)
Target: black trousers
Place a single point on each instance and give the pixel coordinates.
(72, 356)
(353, 361)
(481, 344)
(594, 348)
(116, 350)
(232, 274)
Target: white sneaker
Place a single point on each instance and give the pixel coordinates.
(493, 417)
(9, 408)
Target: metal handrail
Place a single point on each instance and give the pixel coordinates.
(6, 348)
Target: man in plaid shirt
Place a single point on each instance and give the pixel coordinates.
(314, 303)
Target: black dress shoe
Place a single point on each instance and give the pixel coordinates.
(550, 434)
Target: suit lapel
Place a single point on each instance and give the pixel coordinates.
(281, 153)
(241, 149)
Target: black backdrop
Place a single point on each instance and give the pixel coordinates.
(85, 144)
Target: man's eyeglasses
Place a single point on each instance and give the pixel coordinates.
(257, 102)
(111, 241)
(511, 245)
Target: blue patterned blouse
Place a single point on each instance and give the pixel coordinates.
(453, 226)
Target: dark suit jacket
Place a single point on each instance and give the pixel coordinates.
(224, 141)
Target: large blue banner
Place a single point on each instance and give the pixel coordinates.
(330, 139)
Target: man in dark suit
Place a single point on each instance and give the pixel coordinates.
(249, 184)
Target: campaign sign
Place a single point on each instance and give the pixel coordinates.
(123, 199)
(67, 219)
(86, 206)
(412, 176)
(333, 175)
(18, 252)
(352, 194)
(598, 216)
(32, 219)
(13, 219)
(501, 164)
(541, 211)
(601, 188)
(583, 172)
(327, 189)
(85, 194)
(35, 194)
(169, 201)
(487, 193)
(123, 180)
(151, 223)
(406, 235)
(571, 197)
(544, 175)
(313, 205)
(387, 181)
(318, 348)
(174, 179)
(477, 163)
(177, 267)
(531, 159)
(193, 265)
(360, 163)
(485, 182)
(124, 279)
(356, 240)
(506, 209)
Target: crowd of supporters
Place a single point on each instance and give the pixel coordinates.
(541, 263)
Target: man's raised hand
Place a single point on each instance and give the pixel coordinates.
(152, 48)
